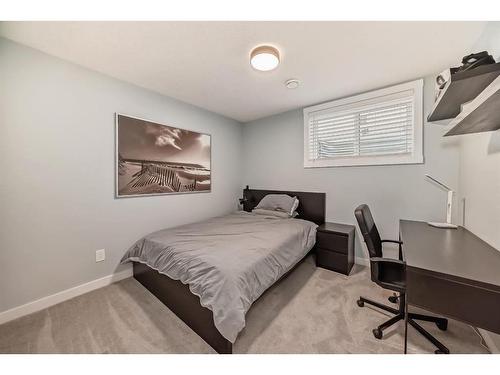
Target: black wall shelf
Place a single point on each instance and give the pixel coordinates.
(481, 114)
(462, 88)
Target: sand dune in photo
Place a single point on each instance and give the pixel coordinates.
(159, 178)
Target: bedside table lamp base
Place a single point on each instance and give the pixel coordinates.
(442, 225)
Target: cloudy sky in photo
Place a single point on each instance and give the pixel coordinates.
(144, 140)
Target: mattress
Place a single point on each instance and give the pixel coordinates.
(227, 261)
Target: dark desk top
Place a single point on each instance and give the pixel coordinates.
(456, 252)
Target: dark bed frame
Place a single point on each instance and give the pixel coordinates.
(177, 296)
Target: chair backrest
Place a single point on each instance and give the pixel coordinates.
(369, 230)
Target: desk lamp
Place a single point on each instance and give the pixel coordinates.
(448, 223)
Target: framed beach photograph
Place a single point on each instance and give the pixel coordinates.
(157, 159)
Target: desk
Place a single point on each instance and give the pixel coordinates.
(452, 272)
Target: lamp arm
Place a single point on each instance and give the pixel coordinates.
(448, 206)
(437, 182)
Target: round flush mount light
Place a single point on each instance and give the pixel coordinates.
(292, 84)
(264, 58)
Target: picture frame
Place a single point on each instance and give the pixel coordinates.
(154, 159)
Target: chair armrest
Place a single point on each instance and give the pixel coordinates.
(393, 241)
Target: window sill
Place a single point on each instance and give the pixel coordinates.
(365, 161)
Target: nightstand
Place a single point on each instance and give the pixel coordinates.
(335, 247)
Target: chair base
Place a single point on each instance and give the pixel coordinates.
(394, 298)
(399, 314)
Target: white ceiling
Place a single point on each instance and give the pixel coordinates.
(207, 63)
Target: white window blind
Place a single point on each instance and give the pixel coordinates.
(380, 127)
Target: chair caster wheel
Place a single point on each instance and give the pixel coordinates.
(377, 333)
(443, 326)
(439, 351)
(393, 299)
(360, 303)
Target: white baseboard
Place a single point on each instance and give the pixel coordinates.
(362, 261)
(64, 295)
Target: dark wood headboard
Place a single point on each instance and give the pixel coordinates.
(311, 205)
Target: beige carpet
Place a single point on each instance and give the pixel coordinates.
(313, 310)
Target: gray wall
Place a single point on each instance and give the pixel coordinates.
(480, 165)
(479, 171)
(57, 201)
(273, 149)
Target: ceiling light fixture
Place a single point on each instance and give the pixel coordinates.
(264, 58)
(292, 84)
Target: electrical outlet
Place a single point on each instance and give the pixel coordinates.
(100, 255)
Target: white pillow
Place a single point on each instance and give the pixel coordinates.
(279, 202)
(260, 211)
(294, 207)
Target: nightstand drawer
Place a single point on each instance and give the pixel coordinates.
(332, 241)
(333, 261)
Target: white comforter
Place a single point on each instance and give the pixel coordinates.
(227, 261)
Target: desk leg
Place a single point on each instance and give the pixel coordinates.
(406, 323)
(400, 248)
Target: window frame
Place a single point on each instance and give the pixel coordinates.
(372, 97)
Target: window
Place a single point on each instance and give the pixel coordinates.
(376, 128)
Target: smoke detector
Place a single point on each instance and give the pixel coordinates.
(292, 84)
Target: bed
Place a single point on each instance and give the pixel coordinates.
(209, 273)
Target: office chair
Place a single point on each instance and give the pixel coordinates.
(391, 274)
